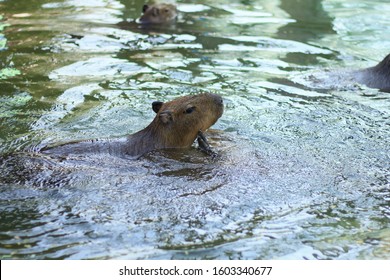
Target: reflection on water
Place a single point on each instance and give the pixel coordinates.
(311, 21)
(303, 166)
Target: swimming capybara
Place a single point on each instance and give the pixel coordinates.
(159, 13)
(176, 125)
(377, 76)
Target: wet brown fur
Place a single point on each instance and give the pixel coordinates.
(161, 13)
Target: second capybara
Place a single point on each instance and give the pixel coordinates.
(176, 125)
(158, 13)
(377, 76)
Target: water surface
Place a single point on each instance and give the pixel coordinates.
(303, 171)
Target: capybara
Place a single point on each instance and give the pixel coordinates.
(377, 76)
(159, 13)
(176, 125)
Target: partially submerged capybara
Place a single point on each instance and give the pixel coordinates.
(158, 13)
(176, 125)
(377, 76)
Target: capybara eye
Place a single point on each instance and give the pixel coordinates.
(189, 110)
(155, 12)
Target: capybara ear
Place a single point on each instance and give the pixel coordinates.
(156, 105)
(144, 8)
(166, 117)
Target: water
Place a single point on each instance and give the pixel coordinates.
(303, 171)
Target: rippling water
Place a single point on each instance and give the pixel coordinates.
(303, 171)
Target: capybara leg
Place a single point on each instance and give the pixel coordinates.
(204, 145)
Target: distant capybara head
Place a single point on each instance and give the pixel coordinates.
(158, 13)
(178, 122)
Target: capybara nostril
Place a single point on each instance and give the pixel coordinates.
(218, 99)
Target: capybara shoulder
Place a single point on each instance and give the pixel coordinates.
(176, 125)
(377, 76)
(159, 13)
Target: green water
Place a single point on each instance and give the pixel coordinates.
(304, 164)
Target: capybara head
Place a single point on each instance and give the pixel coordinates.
(178, 122)
(158, 13)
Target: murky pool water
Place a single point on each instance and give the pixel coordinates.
(303, 171)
